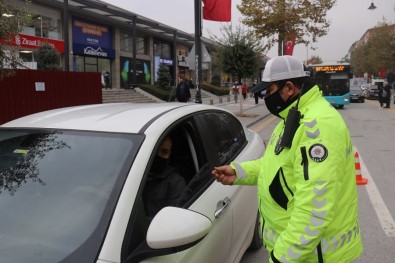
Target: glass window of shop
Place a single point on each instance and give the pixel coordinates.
(142, 43)
(92, 64)
(163, 49)
(126, 41)
(44, 26)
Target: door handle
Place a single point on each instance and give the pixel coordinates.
(221, 207)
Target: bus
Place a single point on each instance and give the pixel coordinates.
(334, 82)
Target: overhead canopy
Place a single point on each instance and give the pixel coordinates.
(116, 15)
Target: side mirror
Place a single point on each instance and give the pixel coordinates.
(175, 227)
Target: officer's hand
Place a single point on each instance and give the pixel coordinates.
(224, 174)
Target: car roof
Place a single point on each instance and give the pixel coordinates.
(109, 117)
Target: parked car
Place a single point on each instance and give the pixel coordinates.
(365, 87)
(356, 94)
(373, 92)
(72, 184)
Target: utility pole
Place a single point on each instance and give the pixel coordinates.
(198, 49)
(66, 35)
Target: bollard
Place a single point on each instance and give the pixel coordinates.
(220, 100)
(358, 174)
(211, 102)
(228, 98)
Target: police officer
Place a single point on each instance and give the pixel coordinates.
(306, 179)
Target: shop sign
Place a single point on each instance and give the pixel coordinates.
(92, 39)
(93, 51)
(34, 42)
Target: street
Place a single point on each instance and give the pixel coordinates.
(373, 134)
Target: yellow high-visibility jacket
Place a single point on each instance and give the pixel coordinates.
(307, 193)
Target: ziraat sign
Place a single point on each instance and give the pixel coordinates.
(34, 42)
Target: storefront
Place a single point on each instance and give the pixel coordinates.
(143, 72)
(44, 26)
(25, 46)
(92, 46)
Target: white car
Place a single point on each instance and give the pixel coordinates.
(72, 184)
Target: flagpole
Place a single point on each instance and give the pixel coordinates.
(198, 49)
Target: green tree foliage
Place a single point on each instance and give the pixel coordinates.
(314, 60)
(276, 19)
(164, 77)
(12, 20)
(237, 52)
(47, 58)
(377, 52)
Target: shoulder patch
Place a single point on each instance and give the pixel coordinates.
(318, 152)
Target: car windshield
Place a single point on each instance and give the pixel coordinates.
(355, 88)
(57, 191)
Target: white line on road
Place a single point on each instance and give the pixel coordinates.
(382, 212)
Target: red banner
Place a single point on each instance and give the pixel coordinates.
(217, 10)
(34, 42)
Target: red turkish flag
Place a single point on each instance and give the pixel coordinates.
(217, 10)
(382, 72)
(289, 47)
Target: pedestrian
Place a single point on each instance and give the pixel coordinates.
(386, 94)
(382, 95)
(308, 200)
(235, 91)
(190, 84)
(107, 80)
(183, 94)
(244, 90)
(102, 79)
(256, 94)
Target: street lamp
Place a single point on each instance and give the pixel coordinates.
(372, 6)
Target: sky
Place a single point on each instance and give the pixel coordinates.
(350, 19)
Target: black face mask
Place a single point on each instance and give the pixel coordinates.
(275, 104)
(159, 164)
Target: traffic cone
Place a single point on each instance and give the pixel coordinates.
(360, 179)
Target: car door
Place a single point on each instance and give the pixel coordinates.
(229, 142)
(205, 196)
(202, 195)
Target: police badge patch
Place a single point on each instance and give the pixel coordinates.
(318, 152)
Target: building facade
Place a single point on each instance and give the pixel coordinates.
(93, 36)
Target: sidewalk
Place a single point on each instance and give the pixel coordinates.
(247, 112)
(251, 114)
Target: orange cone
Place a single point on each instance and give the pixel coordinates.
(360, 179)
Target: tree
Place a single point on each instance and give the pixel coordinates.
(47, 58)
(377, 52)
(304, 20)
(314, 60)
(12, 20)
(163, 76)
(237, 52)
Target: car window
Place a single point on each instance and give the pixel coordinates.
(224, 134)
(355, 88)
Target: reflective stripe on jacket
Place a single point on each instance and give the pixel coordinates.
(307, 193)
